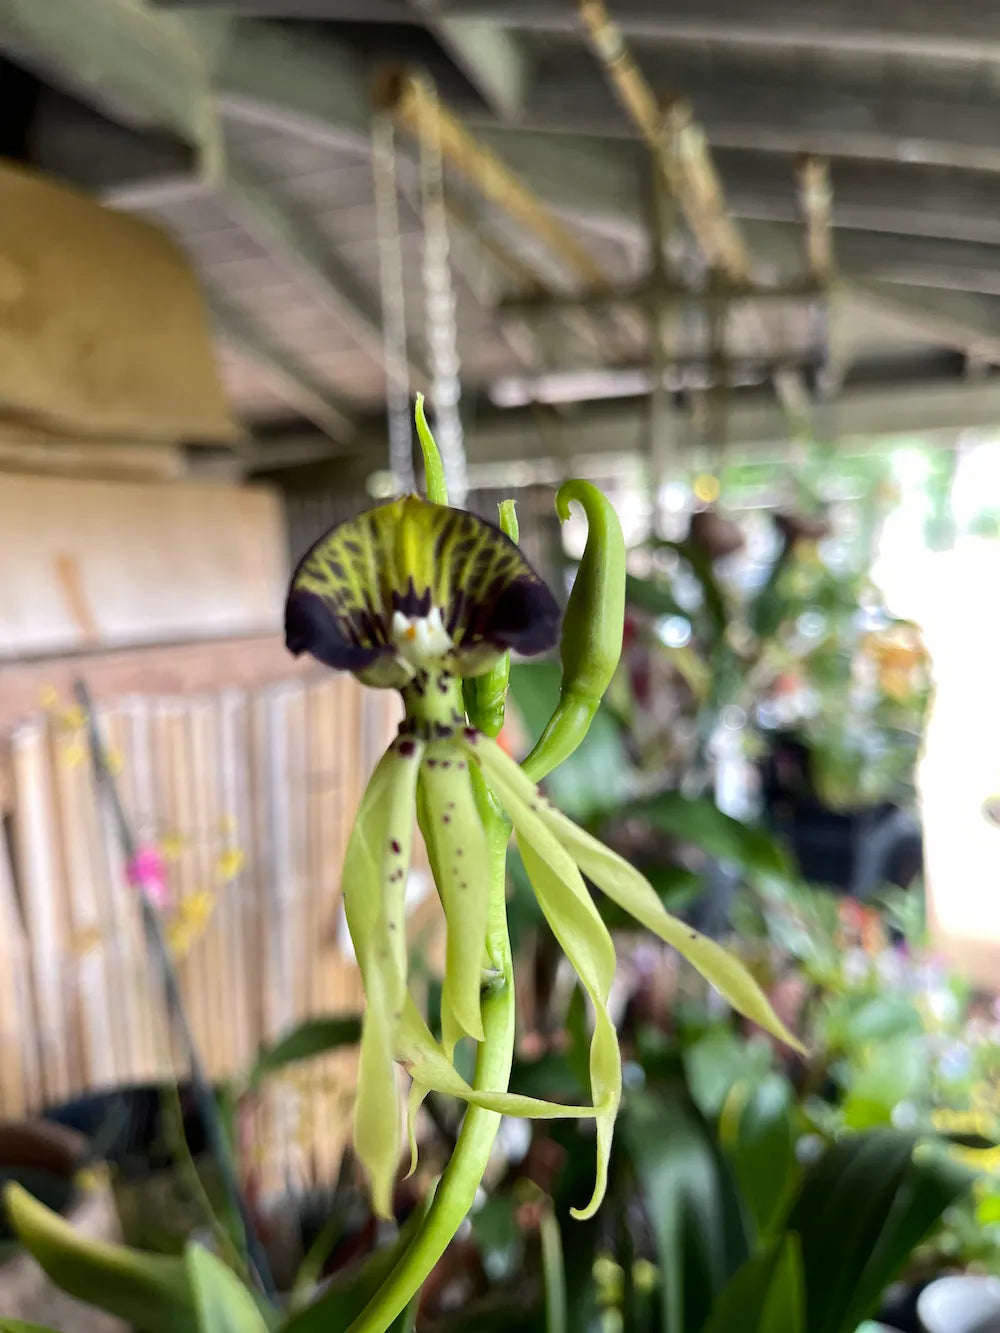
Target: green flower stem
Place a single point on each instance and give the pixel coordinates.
(457, 1188)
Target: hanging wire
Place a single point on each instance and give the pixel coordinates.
(439, 303)
(390, 267)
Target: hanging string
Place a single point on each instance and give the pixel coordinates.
(439, 304)
(390, 267)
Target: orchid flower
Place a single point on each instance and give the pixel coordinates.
(417, 596)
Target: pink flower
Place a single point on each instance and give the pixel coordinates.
(147, 872)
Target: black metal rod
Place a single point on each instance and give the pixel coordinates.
(205, 1101)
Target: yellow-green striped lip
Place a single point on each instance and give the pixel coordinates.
(414, 585)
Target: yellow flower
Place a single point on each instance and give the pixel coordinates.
(230, 863)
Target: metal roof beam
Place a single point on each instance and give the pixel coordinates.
(291, 379)
(291, 234)
(857, 414)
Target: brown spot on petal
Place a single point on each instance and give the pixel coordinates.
(394, 846)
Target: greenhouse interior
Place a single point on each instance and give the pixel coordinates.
(499, 535)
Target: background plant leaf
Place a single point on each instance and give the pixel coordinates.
(699, 821)
(316, 1036)
(861, 1209)
(762, 1148)
(766, 1295)
(691, 1201)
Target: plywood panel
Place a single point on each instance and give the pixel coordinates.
(101, 320)
(101, 564)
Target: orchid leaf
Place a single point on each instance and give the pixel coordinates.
(150, 1291)
(314, 1036)
(223, 1303)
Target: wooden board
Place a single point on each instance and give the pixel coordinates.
(108, 362)
(106, 564)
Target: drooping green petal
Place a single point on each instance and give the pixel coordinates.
(418, 1091)
(583, 936)
(375, 872)
(635, 895)
(576, 924)
(431, 1070)
(453, 832)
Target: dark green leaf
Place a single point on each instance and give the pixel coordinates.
(690, 1199)
(699, 821)
(344, 1299)
(861, 1209)
(765, 1295)
(763, 1151)
(931, 1183)
(223, 1304)
(316, 1036)
(552, 1077)
(18, 1326)
(652, 595)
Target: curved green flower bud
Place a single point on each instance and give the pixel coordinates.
(456, 844)
(591, 642)
(375, 872)
(486, 695)
(411, 590)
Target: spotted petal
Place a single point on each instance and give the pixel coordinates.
(375, 870)
(418, 561)
(456, 843)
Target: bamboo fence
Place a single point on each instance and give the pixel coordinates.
(249, 793)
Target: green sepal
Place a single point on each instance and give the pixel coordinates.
(576, 924)
(625, 886)
(375, 873)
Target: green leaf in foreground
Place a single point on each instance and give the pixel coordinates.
(223, 1303)
(150, 1291)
